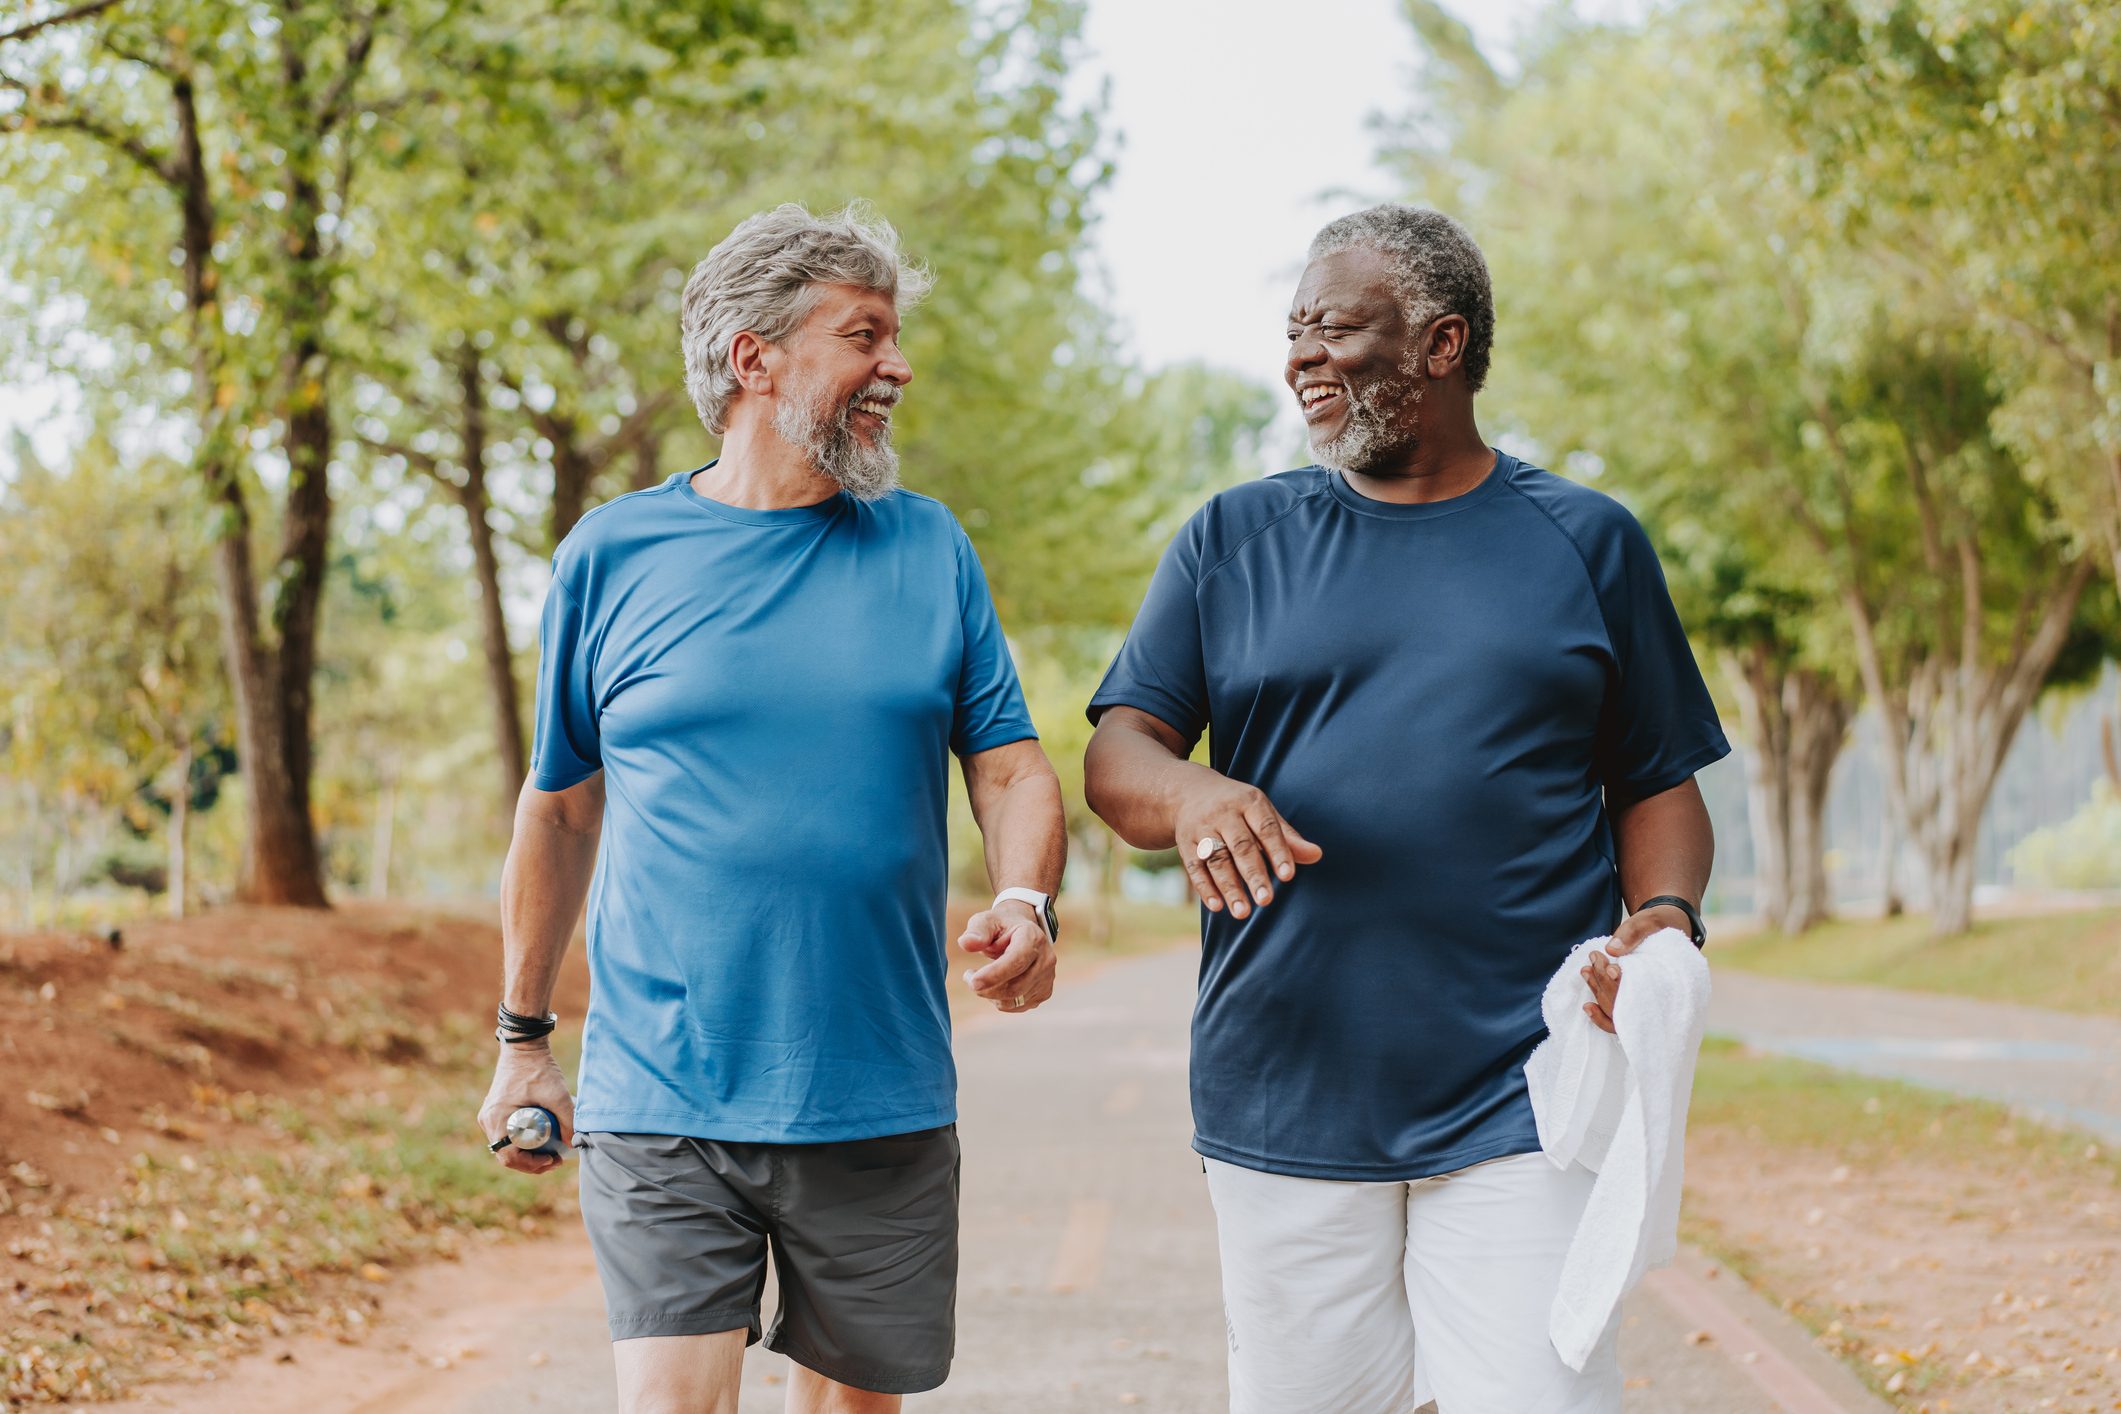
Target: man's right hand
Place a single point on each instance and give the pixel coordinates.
(1258, 846)
(526, 1075)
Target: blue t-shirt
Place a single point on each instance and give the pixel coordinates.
(773, 697)
(1440, 696)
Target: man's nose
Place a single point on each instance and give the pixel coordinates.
(893, 367)
(1304, 351)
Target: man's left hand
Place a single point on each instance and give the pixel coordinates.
(1603, 973)
(1020, 973)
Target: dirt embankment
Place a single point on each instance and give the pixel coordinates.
(222, 1129)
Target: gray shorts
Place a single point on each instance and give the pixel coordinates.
(863, 1235)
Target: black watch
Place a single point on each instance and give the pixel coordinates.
(1041, 904)
(1693, 915)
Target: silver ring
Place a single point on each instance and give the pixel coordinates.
(1208, 848)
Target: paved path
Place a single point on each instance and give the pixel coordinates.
(1089, 1279)
(2055, 1065)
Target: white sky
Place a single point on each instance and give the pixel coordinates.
(1244, 126)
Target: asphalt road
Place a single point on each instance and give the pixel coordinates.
(1089, 1279)
(2049, 1064)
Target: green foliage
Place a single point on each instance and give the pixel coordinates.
(478, 258)
(2083, 852)
(110, 678)
(2069, 961)
(1974, 141)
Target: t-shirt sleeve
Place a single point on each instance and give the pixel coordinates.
(990, 701)
(1160, 668)
(568, 746)
(1658, 725)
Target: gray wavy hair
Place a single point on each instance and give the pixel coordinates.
(1435, 265)
(764, 277)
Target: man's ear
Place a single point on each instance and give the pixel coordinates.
(748, 362)
(1446, 345)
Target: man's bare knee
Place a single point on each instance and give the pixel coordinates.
(680, 1374)
(812, 1393)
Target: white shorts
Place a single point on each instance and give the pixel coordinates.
(1373, 1298)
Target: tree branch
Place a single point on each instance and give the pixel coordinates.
(155, 164)
(333, 108)
(64, 17)
(637, 425)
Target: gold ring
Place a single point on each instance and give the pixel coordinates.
(1016, 1001)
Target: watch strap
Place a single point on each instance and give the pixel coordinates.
(1041, 904)
(1698, 930)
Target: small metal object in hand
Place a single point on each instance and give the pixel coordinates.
(1208, 848)
(536, 1130)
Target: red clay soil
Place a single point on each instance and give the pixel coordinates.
(155, 1045)
(105, 1050)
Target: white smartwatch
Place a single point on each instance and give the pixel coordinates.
(1041, 904)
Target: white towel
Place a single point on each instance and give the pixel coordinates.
(1617, 1105)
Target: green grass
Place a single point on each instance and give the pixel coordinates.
(1785, 1103)
(2069, 961)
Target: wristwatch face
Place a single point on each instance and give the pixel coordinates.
(1052, 923)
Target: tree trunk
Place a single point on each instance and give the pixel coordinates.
(33, 808)
(178, 893)
(1948, 726)
(472, 495)
(280, 859)
(2107, 752)
(648, 461)
(1891, 901)
(1951, 876)
(1819, 716)
(572, 471)
(380, 842)
(1757, 686)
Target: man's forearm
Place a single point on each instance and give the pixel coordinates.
(1025, 833)
(1134, 781)
(1665, 846)
(543, 885)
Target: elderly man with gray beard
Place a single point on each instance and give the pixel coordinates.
(1453, 728)
(752, 679)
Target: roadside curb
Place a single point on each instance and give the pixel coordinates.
(1772, 1350)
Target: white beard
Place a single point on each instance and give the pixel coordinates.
(808, 419)
(1367, 436)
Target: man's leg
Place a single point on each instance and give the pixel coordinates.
(1485, 1247)
(1313, 1293)
(811, 1393)
(680, 1242)
(680, 1374)
(865, 1248)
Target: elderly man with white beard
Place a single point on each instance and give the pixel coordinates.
(752, 680)
(1453, 727)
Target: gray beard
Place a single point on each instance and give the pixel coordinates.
(809, 420)
(1370, 436)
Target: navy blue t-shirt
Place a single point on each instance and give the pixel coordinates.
(1441, 696)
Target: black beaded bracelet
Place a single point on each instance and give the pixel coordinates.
(513, 1027)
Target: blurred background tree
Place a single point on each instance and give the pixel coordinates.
(112, 705)
(1814, 435)
(365, 306)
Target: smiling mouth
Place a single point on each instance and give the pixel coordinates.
(1318, 399)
